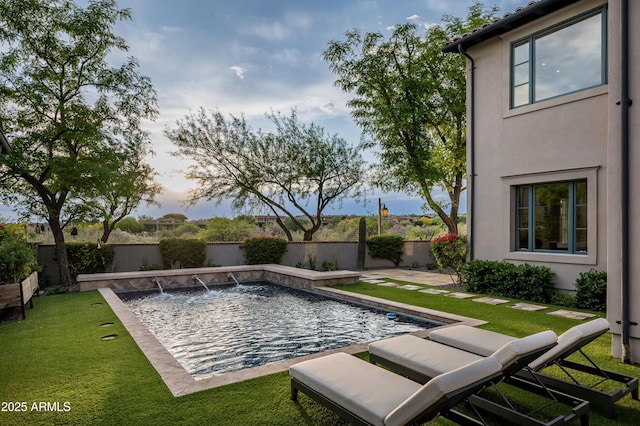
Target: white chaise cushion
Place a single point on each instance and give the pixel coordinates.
(568, 340)
(439, 387)
(426, 357)
(364, 389)
(470, 339)
(516, 348)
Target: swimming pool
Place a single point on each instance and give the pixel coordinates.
(232, 328)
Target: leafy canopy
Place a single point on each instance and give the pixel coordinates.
(294, 172)
(64, 107)
(409, 97)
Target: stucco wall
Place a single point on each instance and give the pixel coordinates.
(343, 255)
(559, 139)
(614, 275)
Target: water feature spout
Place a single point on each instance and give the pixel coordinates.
(157, 281)
(230, 275)
(197, 278)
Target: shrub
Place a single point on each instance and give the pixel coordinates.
(450, 251)
(89, 258)
(180, 253)
(17, 259)
(524, 282)
(262, 250)
(591, 291)
(131, 225)
(187, 229)
(386, 247)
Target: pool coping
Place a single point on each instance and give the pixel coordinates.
(180, 382)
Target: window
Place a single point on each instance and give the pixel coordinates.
(552, 217)
(564, 59)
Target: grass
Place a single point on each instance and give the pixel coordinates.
(57, 355)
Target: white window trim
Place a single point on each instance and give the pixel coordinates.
(591, 175)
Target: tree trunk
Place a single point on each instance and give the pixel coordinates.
(106, 231)
(61, 253)
(284, 228)
(450, 221)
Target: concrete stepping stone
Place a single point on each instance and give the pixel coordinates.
(571, 314)
(433, 291)
(459, 295)
(491, 301)
(410, 287)
(527, 307)
(373, 281)
(386, 284)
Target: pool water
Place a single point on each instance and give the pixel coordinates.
(243, 326)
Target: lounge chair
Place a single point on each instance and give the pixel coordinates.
(421, 360)
(483, 342)
(365, 394)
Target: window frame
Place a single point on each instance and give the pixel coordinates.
(508, 239)
(530, 40)
(531, 218)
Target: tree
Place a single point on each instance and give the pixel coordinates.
(178, 217)
(409, 97)
(295, 172)
(130, 183)
(64, 106)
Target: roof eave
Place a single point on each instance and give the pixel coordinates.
(520, 17)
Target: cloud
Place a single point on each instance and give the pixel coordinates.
(419, 20)
(330, 107)
(239, 71)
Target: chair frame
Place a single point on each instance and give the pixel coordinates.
(604, 401)
(579, 407)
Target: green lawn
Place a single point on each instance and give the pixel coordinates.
(57, 356)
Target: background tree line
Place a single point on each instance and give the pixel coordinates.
(222, 229)
(73, 146)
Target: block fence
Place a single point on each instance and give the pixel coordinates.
(343, 255)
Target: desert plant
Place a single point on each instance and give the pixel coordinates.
(330, 265)
(591, 291)
(386, 247)
(183, 253)
(263, 250)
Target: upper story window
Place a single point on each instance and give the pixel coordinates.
(563, 59)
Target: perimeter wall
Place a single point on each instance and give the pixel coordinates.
(342, 255)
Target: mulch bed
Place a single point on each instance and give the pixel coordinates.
(10, 314)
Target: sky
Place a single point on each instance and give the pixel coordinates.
(251, 57)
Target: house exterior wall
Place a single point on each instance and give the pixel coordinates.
(574, 136)
(614, 255)
(563, 138)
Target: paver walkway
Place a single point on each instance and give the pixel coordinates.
(436, 279)
(420, 277)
